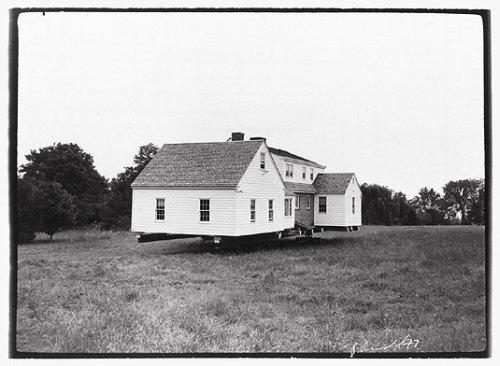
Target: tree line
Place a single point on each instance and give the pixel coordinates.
(462, 202)
(59, 187)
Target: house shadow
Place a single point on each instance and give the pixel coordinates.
(239, 246)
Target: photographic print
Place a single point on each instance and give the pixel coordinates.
(250, 182)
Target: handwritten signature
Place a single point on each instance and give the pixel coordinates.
(395, 345)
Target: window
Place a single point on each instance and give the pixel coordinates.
(297, 202)
(308, 202)
(263, 160)
(322, 204)
(204, 210)
(311, 173)
(354, 205)
(160, 209)
(289, 170)
(288, 207)
(271, 210)
(252, 210)
(304, 172)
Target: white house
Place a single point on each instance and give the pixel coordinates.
(338, 200)
(321, 199)
(237, 188)
(228, 188)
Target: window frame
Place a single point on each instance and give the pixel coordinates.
(263, 160)
(270, 207)
(353, 205)
(304, 172)
(297, 202)
(311, 173)
(253, 210)
(320, 205)
(289, 170)
(308, 201)
(204, 210)
(160, 209)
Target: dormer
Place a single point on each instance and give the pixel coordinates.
(294, 168)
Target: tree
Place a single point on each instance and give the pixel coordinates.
(381, 206)
(144, 156)
(28, 216)
(460, 196)
(477, 211)
(56, 208)
(374, 204)
(119, 204)
(73, 169)
(406, 213)
(42, 207)
(429, 206)
(427, 199)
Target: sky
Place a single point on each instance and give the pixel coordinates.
(395, 98)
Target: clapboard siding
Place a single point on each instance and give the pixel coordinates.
(335, 206)
(297, 170)
(353, 190)
(182, 211)
(261, 185)
(280, 164)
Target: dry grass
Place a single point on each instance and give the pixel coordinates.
(103, 292)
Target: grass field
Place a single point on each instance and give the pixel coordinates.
(384, 289)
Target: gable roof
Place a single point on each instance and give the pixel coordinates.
(212, 164)
(289, 155)
(292, 188)
(332, 183)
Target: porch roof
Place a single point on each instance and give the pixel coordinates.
(293, 188)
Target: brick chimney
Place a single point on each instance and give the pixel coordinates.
(237, 136)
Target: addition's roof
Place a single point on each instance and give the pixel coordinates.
(332, 183)
(289, 155)
(212, 164)
(292, 188)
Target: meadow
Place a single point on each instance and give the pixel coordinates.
(382, 289)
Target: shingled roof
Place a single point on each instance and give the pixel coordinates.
(289, 155)
(332, 183)
(213, 164)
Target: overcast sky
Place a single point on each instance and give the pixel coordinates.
(395, 98)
